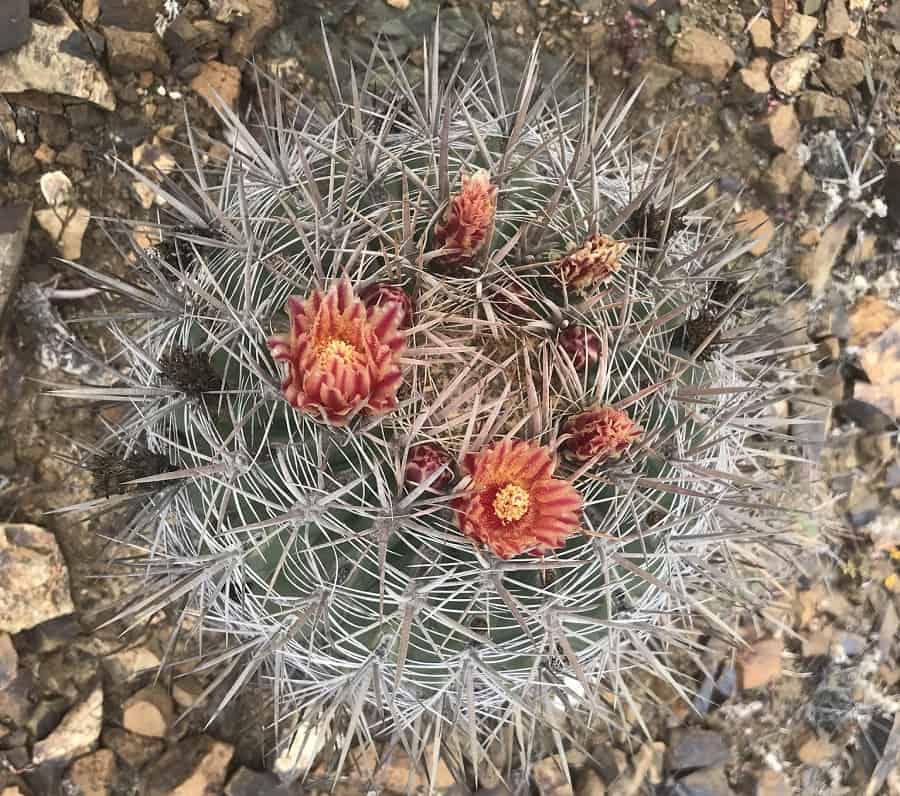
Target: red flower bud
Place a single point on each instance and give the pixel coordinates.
(424, 460)
(603, 431)
(468, 219)
(380, 294)
(595, 262)
(581, 344)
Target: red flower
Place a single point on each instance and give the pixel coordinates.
(468, 218)
(513, 504)
(424, 460)
(380, 294)
(340, 355)
(581, 344)
(595, 262)
(604, 431)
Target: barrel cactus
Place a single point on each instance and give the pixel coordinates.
(433, 413)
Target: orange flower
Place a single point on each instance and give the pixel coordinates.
(595, 262)
(340, 355)
(468, 218)
(604, 431)
(513, 504)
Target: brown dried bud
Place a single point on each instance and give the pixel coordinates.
(595, 262)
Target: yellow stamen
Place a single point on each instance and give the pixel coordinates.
(511, 503)
(335, 347)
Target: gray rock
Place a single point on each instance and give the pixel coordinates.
(56, 60)
(129, 14)
(133, 51)
(706, 782)
(76, 734)
(14, 223)
(15, 26)
(255, 783)
(694, 748)
(9, 661)
(35, 578)
(198, 758)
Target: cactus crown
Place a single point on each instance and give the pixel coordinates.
(438, 461)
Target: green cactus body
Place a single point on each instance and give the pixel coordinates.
(301, 545)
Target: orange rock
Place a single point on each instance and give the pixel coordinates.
(760, 664)
(218, 84)
(756, 225)
(815, 752)
(870, 317)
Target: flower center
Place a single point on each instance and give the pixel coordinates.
(335, 347)
(511, 503)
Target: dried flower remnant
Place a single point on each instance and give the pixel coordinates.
(581, 344)
(595, 262)
(191, 372)
(468, 219)
(380, 294)
(424, 460)
(604, 432)
(513, 504)
(341, 356)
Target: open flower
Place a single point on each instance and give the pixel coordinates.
(603, 431)
(341, 356)
(595, 262)
(468, 219)
(379, 294)
(581, 344)
(513, 504)
(424, 460)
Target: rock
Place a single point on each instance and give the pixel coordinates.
(880, 359)
(218, 83)
(21, 161)
(782, 175)
(647, 764)
(254, 783)
(779, 129)
(186, 691)
(869, 318)
(795, 32)
(53, 130)
(135, 751)
(589, 783)
(760, 664)
(14, 223)
(772, 783)
(837, 20)
(76, 735)
(814, 267)
(47, 715)
(398, 774)
(92, 775)
(788, 75)
(815, 751)
(132, 51)
(196, 766)
(841, 74)
(756, 225)
(401, 4)
(863, 249)
(15, 25)
(66, 226)
(56, 188)
(229, 11)
(260, 20)
(132, 661)
(73, 155)
(702, 56)
(550, 779)
(149, 712)
(753, 82)
(138, 15)
(9, 661)
(34, 577)
(654, 77)
(781, 10)
(705, 782)
(814, 105)
(56, 60)
(690, 747)
(761, 34)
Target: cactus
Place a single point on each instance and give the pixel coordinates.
(434, 458)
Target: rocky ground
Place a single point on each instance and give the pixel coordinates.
(793, 113)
